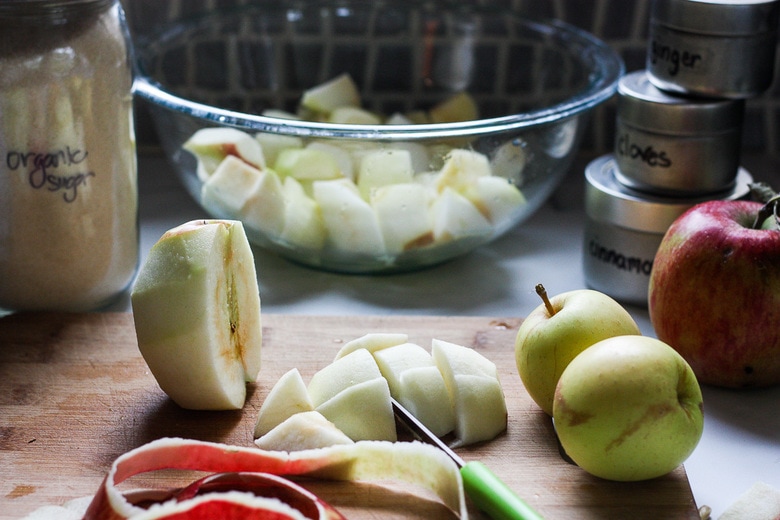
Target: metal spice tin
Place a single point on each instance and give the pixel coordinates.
(624, 227)
(714, 48)
(674, 145)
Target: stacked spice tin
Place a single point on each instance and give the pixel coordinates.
(678, 133)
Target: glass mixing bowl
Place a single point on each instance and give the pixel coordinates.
(461, 123)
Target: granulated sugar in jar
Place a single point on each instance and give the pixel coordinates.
(624, 228)
(68, 184)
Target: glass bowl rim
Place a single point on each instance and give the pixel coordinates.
(609, 69)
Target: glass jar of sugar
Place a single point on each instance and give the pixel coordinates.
(68, 182)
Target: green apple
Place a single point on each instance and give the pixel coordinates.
(302, 431)
(475, 390)
(196, 310)
(628, 408)
(288, 397)
(555, 332)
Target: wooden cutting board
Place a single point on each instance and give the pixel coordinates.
(75, 394)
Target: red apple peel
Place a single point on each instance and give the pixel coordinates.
(241, 473)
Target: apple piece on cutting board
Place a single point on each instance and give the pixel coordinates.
(372, 342)
(417, 383)
(196, 310)
(303, 431)
(363, 411)
(288, 397)
(473, 384)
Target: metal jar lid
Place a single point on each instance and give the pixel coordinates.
(607, 200)
(717, 17)
(643, 105)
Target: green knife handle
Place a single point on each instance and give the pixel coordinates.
(492, 496)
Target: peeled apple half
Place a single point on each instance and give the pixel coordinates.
(196, 308)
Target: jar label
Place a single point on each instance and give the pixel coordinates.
(619, 260)
(56, 171)
(627, 148)
(671, 56)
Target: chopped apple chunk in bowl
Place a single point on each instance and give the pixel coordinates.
(352, 158)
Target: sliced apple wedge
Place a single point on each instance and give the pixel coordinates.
(342, 157)
(265, 207)
(383, 167)
(340, 91)
(307, 164)
(496, 198)
(416, 382)
(211, 145)
(357, 367)
(423, 392)
(196, 309)
(353, 116)
(454, 217)
(394, 361)
(458, 107)
(473, 384)
(303, 431)
(403, 216)
(303, 224)
(288, 397)
(372, 342)
(350, 221)
(363, 411)
(230, 186)
(461, 170)
(273, 144)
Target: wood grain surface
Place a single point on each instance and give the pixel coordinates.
(75, 393)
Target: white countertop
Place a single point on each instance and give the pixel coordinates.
(741, 441)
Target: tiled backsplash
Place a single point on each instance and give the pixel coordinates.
(621, 23)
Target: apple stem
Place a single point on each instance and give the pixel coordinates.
(762, 192)
(542, 292)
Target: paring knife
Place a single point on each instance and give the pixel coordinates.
(483, 487)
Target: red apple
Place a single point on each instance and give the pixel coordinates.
(714, 293)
